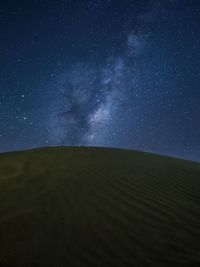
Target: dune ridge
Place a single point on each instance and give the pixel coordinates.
(98, 207)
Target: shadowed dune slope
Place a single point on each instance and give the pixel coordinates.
(98, 207)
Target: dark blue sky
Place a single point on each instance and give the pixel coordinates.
(101, 72)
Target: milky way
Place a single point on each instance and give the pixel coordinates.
(97, 104)
(95, 100)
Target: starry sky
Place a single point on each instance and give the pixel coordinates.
(115, 73)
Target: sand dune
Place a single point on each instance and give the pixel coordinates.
(98, 207)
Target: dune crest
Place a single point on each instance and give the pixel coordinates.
(98, 207)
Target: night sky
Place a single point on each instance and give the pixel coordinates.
(116, 73)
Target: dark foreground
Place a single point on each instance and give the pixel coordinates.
(98, 207)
